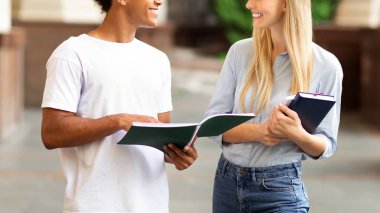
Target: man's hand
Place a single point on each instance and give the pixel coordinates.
(181, 159)
(125, 121)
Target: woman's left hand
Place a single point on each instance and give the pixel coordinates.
(182, 159)
(285, 123)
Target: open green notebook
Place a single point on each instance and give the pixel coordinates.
(181, 134)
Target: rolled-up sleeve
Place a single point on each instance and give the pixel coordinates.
(331, 83)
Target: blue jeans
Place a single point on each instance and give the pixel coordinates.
(261, 189)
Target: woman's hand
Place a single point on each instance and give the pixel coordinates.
(266, 137)
(181, 159)
(285, 123)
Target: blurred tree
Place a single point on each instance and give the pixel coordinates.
(323, 10)
(235, 17)
(237, 20)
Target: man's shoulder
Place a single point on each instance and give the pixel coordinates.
(147, 48)
(67, 47)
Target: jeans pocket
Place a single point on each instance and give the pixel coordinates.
(278, 184)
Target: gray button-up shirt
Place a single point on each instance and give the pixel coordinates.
(327, 79)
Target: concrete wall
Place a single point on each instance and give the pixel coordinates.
(11, 80)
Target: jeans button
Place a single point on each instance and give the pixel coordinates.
(242, 172)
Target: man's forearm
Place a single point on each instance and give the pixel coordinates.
(71, 131)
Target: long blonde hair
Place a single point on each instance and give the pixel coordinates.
(298, 40)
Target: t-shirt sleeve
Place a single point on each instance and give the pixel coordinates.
(164, 96)
(63, 85)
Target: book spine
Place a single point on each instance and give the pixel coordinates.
(293, 103)
(194, 135)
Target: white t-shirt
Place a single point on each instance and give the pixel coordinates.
(94, 78)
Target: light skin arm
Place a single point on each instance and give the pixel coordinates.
(182, 159)
(246, 133)
(284, 124)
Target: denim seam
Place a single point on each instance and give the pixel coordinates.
(295, 194)
(224, 167)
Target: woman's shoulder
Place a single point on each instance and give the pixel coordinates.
(325, 58)
(327, 63)
(244, 44)
(241, 49)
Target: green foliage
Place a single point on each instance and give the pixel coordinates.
(323, 10)
(237, 19)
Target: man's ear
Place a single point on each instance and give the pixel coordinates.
(285, 6)
(122, 2)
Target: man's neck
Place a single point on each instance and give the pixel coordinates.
(115, 28)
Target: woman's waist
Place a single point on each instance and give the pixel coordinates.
(256, 155)
(292, 169)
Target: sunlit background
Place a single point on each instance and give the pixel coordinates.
(196, 35)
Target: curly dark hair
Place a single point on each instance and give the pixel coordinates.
(104, 4)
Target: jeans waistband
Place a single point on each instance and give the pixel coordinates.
(291, 170)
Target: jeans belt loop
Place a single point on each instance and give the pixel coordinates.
(224, 167)
(298, 169)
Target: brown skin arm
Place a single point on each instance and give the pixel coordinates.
(62, 129)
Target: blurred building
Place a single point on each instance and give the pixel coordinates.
(48, 23)
(196, 25)
(354, 38)
(12, 43)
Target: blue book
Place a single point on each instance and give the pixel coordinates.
(157, 135)
(311, 108)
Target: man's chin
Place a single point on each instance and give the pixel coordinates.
(150, 25)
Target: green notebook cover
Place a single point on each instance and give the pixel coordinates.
(181, 134)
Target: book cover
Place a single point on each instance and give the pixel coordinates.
(181, 134)
(311, 108)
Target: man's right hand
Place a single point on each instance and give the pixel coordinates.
(124, 121)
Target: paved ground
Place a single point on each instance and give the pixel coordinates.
(31, 180)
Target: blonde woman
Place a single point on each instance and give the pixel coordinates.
(260, 168)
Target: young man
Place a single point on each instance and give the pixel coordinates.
(97, 85)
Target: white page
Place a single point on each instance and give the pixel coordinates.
(141, 124)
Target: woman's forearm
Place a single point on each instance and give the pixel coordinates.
(242, 133)
(313, 145)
